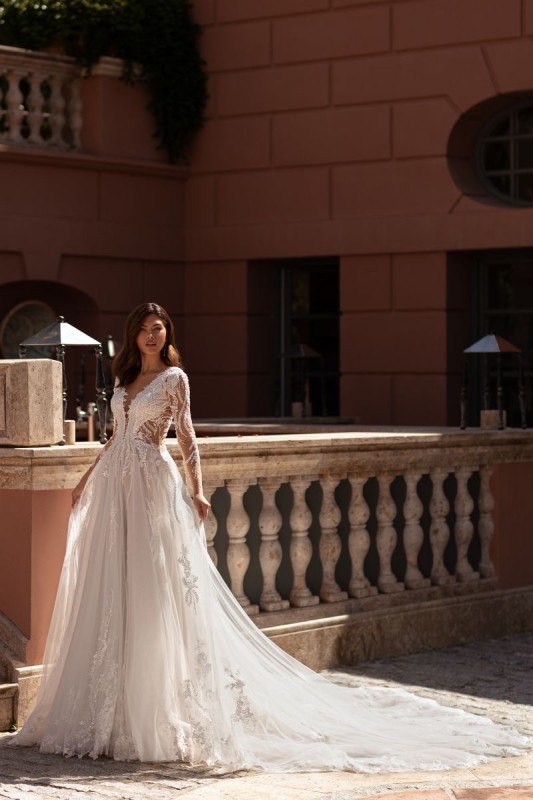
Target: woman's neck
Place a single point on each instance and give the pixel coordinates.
(151, 364)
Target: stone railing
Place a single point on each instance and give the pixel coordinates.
(300, 520)
(40, 102)
(316, 519)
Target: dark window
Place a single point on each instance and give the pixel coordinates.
(504, 155)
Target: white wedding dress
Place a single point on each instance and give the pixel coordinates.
(150, 657)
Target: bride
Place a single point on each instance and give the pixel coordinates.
(149, 657)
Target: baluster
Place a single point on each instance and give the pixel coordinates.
(359, 538)
(330, 543)
(238, 558)
(75, 113)
(486, 522)
(464, 529)
(270, 554)
(57, 110)
(301, 549)
(439, 532)
(386, 536)
(35, 109)
(210, 522)
(15, 112)
(413, 535)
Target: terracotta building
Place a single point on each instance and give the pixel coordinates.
(362, 187)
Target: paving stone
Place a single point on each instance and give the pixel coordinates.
(493, 678)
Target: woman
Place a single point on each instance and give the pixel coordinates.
(149, 655)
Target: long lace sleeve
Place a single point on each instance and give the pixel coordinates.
(181, 411)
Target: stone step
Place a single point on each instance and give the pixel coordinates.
(8, 698)
(7, 662)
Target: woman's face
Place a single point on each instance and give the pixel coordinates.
(152, 335)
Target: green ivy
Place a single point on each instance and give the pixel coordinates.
(158, 36)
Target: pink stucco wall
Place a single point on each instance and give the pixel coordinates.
(32, 543)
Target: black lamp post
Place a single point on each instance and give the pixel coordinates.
(60, 335)
(493, 345)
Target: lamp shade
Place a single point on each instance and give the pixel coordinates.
(492, 344)
(59, 333)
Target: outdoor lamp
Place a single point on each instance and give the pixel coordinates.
(493, 345)
(60, 335)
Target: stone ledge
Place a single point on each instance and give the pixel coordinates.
(323, 613)
(364, 452)
(407, 628)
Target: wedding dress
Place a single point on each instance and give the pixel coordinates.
(150, 657)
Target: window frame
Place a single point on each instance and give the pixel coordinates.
(511, 112)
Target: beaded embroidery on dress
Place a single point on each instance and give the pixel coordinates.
(150, 656)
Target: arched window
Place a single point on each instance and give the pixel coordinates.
(22, 321)
(504, 155)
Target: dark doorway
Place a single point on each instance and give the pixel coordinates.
(293, 308)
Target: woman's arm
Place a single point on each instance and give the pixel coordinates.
(186, 437)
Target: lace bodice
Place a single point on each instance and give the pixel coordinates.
(147, 416)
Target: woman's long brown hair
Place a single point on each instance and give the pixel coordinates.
(127, 362)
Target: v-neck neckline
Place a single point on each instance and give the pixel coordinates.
(131, 399)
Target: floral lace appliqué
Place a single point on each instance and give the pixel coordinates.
(243, 713)
(189, 580)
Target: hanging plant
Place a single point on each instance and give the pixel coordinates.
(157, 40)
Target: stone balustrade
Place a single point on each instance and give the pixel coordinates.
(398, 529)
(40, 101)
(302, 520)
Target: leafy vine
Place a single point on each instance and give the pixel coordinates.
(157, 40)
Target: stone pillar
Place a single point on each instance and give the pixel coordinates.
(57, 110)
(413, 535)
(464, 529)
(439, 532)
(14, 107)
(270, 549)
(359, 538)
(386, 536)
(301, 547)
(35, 108)
(238, 558)
(330, 543)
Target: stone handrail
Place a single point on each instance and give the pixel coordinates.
(305, 519)
(40, 102)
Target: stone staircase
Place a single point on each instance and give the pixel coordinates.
(8, 692)
(12, 660)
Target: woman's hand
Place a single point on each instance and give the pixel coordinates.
(202, 505)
